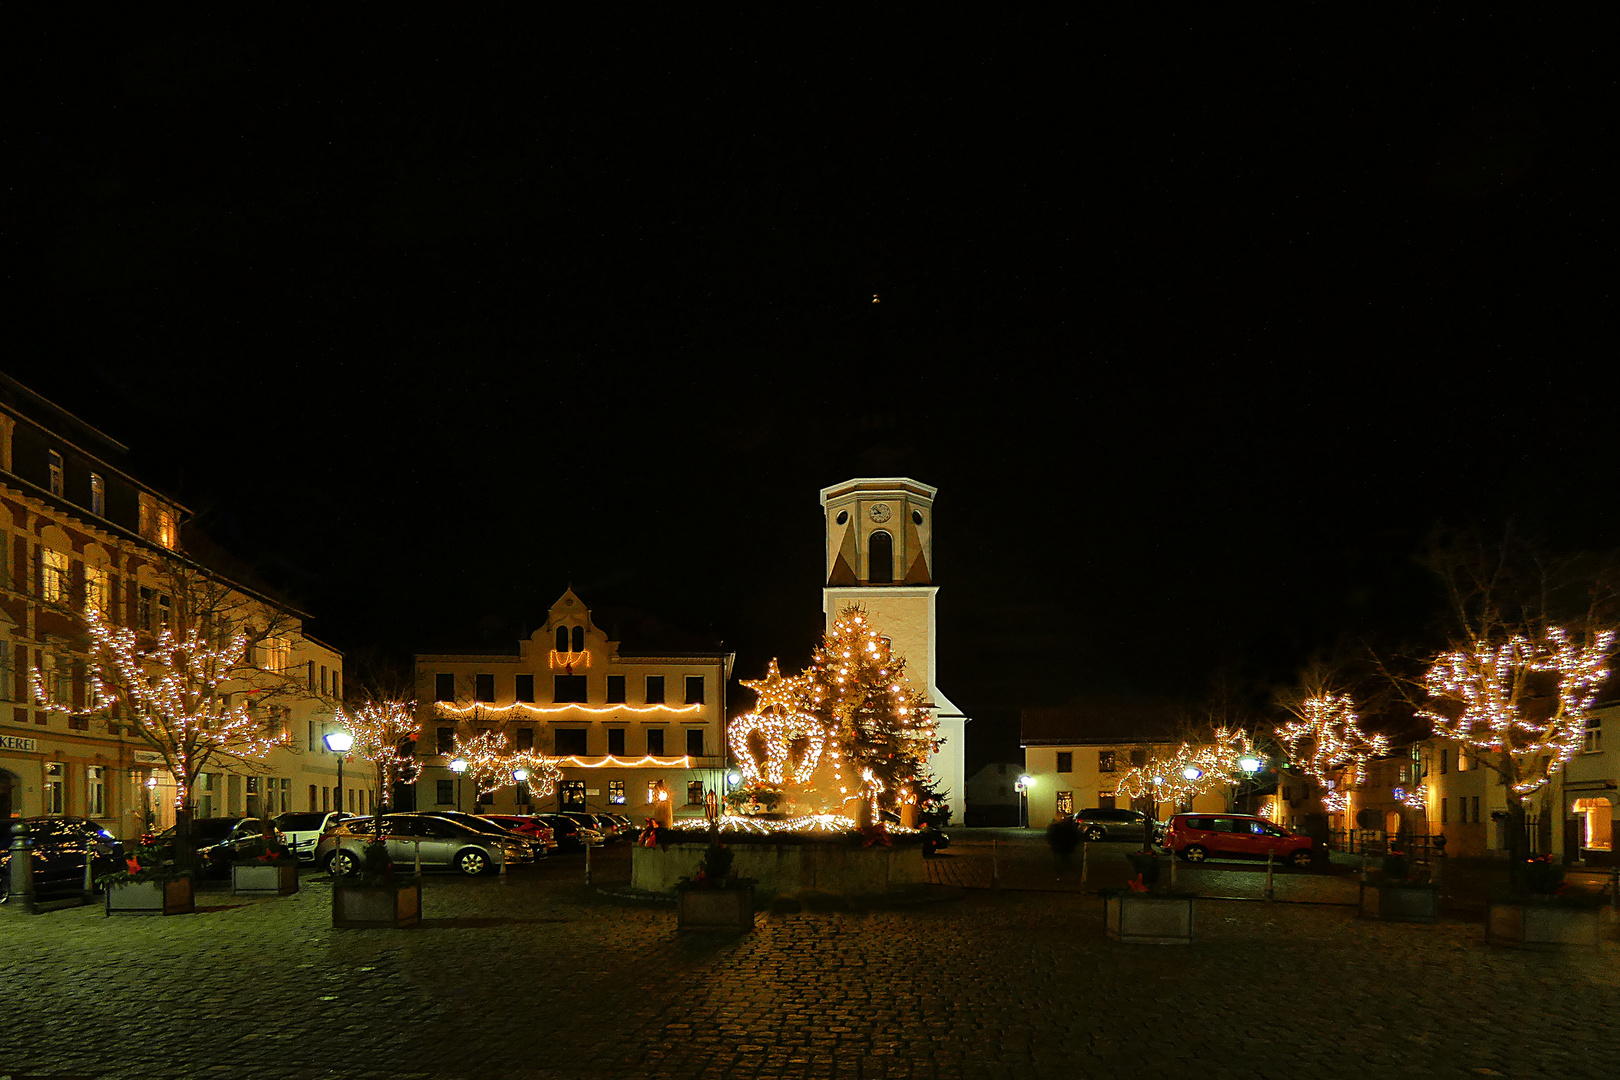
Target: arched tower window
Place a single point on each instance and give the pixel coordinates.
(562, 639)
(880, 566)
(579, 639)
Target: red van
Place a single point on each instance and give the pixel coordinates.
(1197, 837)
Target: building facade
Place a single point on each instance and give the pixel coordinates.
(618, 722)
(992, 796)
(880, 556)
(78, 530)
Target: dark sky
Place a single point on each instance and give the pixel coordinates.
(1199, 328)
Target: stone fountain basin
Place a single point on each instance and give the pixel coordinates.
(838, 867)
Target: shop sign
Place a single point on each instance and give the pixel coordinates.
(16, 742)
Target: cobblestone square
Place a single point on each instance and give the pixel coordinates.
(546, 977)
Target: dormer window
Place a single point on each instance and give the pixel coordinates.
(562, 639)
(56, 473)
(579, 639)
(165, 528)
(98, 495)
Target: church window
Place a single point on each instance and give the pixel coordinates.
(562, 639)
(916, 517)
(579, 639)
(843, 517)
(880, 568)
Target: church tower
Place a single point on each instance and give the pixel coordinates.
(880, 555)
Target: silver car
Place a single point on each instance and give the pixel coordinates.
(304, 829)
(444, 845)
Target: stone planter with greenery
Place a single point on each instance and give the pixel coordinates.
(1398, 893)
(715, 900)
(1146, 913)
(270, 871)
(1542, 912)
(148, 885)
(377, 899)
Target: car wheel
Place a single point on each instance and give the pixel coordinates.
(342, 864)
(1095, 832)
(1300, 859)
(1195, 853)
(472, 862)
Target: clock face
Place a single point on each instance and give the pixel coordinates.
(880, 513)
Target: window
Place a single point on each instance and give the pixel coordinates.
(1065, 802)
(525, 738)
(444, 687)
(143, 610)
(1445, 755)
(56, 473)
(323, 678)
(165, 528)
(286, 794)
(1403, 773)
(694, 742)
(569, 742)
(652, 792)
(568, 688)
(615, 689)
(1105, 800)
(880, 566)
(337, 684)
(1476, 809)
(309, 675)
(163, 611)
(314, 735)
(96, 592)
(446, 744)
(1463, 759)
(312, 798)
(484, 688)
(1592, 741)
(562, 639)
(53, 581)
(1105, 761)
(573, 794)
(98, 495)
(616, 792)
(525, 688)
(95, 791)
(277, 655)
(445, 792)
(694, 793)
(1445, 811)
(1138, 757)
(1065, 761)
(694, 689)
(579, 639)
(616, 741)
(655, 690)
(655, 742)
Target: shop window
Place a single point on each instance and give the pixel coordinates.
(694, 793)
(1065, 802)
(573, 794)
(616, 792)
(55, 787)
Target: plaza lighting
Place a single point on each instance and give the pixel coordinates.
(1249, 764)
(1022, 786)
(458, 766)
(733, 778)
(1192, 772)
(339, 743)
(520, 775)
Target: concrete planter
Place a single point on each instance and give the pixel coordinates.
(730, 909)
(787, 868)
(1542, 925)
(1400, 903)
(264, 879)
(1145, 919)
(361, 907)
(163, 896)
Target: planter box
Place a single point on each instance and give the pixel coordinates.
(1146, 919)
(730, 909)
(265, 879)
(165, 896)
(1543, 926)
(1400, 903)
(359, 907)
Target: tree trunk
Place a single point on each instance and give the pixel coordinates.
(185, 845)
(1517, 836)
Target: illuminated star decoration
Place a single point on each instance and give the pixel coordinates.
(779, 722)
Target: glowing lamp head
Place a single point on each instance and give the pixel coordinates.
(1024, 784)
(458, 766)
(1249, 764)
(733, 778)
(151, 782)
(339, 742)
(1192, 772)
(520, 775)
(663, 796)
(1158, 779)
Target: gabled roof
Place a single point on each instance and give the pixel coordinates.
(1103, 722)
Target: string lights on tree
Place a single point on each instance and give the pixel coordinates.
(1191, 769)
(381, 730)
(493, 764)
(1326, 738)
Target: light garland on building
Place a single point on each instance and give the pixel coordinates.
(1327, 736)
(1489, 689)
(447, 708)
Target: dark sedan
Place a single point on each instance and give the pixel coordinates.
(222, 841)
(59, 846)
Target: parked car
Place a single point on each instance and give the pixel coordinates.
(60, 845)
(1121, 824)
(1197, 837)
(486, 823)
(303, 830)
(603, 823)
(221, 841)
(934, 838)
(629, 828)
(527, 826)
(444, 845)
(571, 835)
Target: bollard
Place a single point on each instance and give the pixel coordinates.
(587, 860)
(418, 859)
(1172, 856)
(1270, 862)
(995, 868)
(22, 870)
(503, 868)
(89, 873)
(1084, 868)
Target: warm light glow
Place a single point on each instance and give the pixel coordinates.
(382, 729)
(1327, 737)
(459, 765)
(339, 742)
(1190, 769)
(447, 708)
(569, 660)
(1249, 764)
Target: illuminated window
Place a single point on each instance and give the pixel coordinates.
(1592, 741)
(1105, 800)
(1065, 802)
(652, 791)
(277, 656)
(615, 689)
(56, 472)
(98, 495)
(655, 690)
(616, 792)
(1065, 761)
(694, 792)
(53, 575)
(95, 791)
(165, 528)
(880, 566)
(573, 794)
(1105, 761)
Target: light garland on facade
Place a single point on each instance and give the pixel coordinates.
(447, 708)
(610, 762)
(1490, 689)
(569, 659)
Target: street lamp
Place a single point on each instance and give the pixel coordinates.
(458, 767)
(339, 743)
(1249, 764)
(733, 778)
(1022, 787)
(1192, 772)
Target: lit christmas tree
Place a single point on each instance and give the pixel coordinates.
(879, 733)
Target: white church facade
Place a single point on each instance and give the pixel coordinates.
(880, 556)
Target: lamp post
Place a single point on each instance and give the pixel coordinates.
(1022, 788)
(520, 776)
(458, 766)
(339, 742)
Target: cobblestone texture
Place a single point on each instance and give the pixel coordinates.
(545, 978)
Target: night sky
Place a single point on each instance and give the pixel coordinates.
(1199, 328)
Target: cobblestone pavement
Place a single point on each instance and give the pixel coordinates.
(546, 978)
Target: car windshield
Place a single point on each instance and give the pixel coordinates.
(299, 822)
(473, 822)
